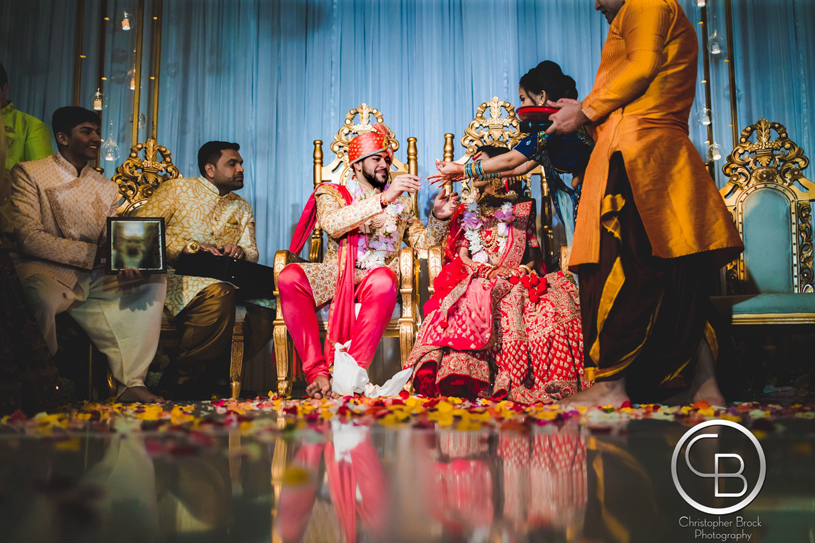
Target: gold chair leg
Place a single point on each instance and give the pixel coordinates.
(407, 336)
(282, 360)
(236, 360)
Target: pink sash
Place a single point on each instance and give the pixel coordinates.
(342, 318)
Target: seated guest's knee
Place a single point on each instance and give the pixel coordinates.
(42, 300)
(222, 293)
(382, 284)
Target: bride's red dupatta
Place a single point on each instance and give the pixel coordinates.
(454, 270)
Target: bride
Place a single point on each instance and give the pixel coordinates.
(498, 326)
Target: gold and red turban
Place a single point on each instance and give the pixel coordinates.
(371, 143)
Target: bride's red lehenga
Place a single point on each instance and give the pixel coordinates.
(496, 338)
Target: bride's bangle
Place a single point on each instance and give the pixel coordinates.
(525, 267)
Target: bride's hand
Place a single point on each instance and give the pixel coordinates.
(448, 172)
(501, 271)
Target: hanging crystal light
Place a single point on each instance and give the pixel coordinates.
(716, 43)
(97, 99)
(700, 3)
(142, 120)
(126, 20)
(110, 149)
(704, 116)
(714, 151)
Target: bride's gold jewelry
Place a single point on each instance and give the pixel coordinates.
(193, 246)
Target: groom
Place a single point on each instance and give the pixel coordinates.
(366, 221)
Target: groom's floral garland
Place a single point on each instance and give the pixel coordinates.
(374, 254)
(473, 226)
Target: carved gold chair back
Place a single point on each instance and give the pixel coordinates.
(138, 177)
(496, 123)
(770, 201)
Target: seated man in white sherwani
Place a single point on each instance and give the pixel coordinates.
(60, 207)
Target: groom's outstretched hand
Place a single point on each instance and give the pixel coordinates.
(445, 204)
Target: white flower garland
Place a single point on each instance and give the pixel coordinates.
(473, 226)
(374, 254)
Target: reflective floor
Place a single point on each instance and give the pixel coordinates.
(570, 481)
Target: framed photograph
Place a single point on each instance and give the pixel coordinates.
(138, 243)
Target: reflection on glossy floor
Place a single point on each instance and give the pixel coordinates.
(342, 482)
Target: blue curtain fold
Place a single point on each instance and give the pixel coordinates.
(274, 75)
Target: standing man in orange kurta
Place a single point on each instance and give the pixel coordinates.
(652, 227)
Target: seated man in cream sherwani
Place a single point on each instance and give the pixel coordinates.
(204, 213)
(60, 207)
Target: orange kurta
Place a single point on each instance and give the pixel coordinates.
(639, 106)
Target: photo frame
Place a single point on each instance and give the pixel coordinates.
(137, 243)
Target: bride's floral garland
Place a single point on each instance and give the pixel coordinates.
(374, 254)
(473, 226)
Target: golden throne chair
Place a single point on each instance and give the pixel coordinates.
(405, 324)
(138, 178)
(495, 123)
(770, 200)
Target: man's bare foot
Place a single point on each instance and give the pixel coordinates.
(604, 393)
(320, 388)
(703, 387)
(139, 394)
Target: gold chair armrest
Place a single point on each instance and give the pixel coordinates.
(434, 263)
(281, 260)
(406, 282)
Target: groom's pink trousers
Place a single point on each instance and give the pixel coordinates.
(377, 296)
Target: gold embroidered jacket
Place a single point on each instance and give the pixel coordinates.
(193, 210)
(337, 219)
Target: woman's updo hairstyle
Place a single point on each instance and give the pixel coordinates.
(548, 77)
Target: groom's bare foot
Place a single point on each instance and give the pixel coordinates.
(320, 388)
(603, 393)
(139, 394)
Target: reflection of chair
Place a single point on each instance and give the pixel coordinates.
(137, 179)
(502, 131)
(403, 326)
(770, 200)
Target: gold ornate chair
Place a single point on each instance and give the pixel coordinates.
(495, 123)
(770, 201)
(138, 178)
(405, 325)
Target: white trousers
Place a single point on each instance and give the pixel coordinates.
(123, 323)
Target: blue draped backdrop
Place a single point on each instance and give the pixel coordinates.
(274, 75)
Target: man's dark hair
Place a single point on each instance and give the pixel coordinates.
(3, 76)
(66, 118)
(491, 150)
(210, 153)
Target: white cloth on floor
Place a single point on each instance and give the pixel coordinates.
(350, 378)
